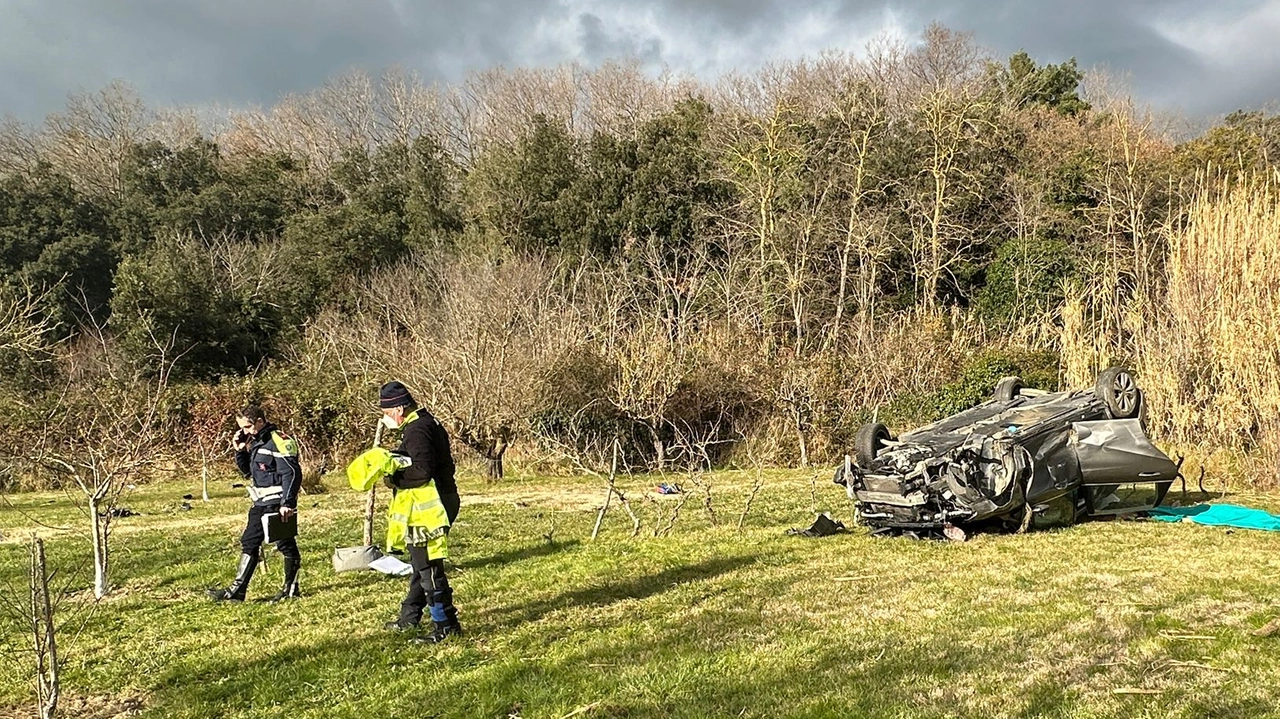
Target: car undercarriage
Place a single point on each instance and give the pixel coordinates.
(1025, 458)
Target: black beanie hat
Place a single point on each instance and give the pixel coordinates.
(394, 394)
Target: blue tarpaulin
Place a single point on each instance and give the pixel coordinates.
(1219, 515)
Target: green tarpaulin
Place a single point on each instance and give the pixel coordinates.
(1219, 515)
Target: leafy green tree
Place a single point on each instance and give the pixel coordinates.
(380, 207)
(590, 212)
(54, 237)
(1244, 142)
(193, 190)
(674, 191)
(1024, 83)
(212, 302)
(514, 192)
(660, 184)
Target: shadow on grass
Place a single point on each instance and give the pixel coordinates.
(1195, 496)
(544, 549)
(659, 663)
(612, 592)
(683, 668)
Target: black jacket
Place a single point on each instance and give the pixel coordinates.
(271, 463)
(425, 441)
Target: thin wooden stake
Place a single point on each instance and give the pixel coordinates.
(370, 505)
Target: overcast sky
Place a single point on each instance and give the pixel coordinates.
(1200, 57)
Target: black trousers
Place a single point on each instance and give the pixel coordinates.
(253, 537)
(428, 584)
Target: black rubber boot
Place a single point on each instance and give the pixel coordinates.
(451, 612)
(440, 632)
(235, 592)
(290, 589)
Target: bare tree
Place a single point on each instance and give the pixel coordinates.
(609, 491)
(25, 322)
(954, 120)
(862, 119)
(102, 432)
(89, 140)
(44, 639)
(756, 486)
(405, 108)
(211, 415)
(20, 147)
(619, 97)
(469, 335)
(650, 368)
(33, 609)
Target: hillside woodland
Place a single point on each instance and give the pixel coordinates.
(560, 261)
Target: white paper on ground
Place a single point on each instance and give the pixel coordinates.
(388, 564)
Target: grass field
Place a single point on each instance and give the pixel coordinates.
(1110, 619)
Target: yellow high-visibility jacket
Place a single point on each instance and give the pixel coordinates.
(415, 515)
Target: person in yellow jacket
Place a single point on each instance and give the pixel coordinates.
(424, 505)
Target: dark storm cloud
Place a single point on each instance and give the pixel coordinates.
(1200, 57)
(598, 43)
(238, 51)
(1124, 37)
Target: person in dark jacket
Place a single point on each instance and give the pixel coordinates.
(426, 444)
(268, 458)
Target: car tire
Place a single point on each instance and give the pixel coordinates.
(1119, 392)
(869, 441)
(1008, 388)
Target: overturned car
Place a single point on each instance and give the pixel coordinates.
(1025, 458)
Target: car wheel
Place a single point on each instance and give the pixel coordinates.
(1008, 388)
(869, 441)
(1119, 392)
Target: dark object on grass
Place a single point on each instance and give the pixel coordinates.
(1025, 458)
(823, 526)
(237, 485)
(188, 496)
(186, 507)
(117, 512)
(665, 488)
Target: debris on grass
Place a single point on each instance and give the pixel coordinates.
(1187, 637)
(581, 710)
(823, 526)
(1271, 628)
(1198, 665)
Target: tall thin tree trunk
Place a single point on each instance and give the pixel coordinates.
(99, 549)
(497, 449)
(204, 480)
(659, 448)
(804, 443)
(45, 644)
(842, 292)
